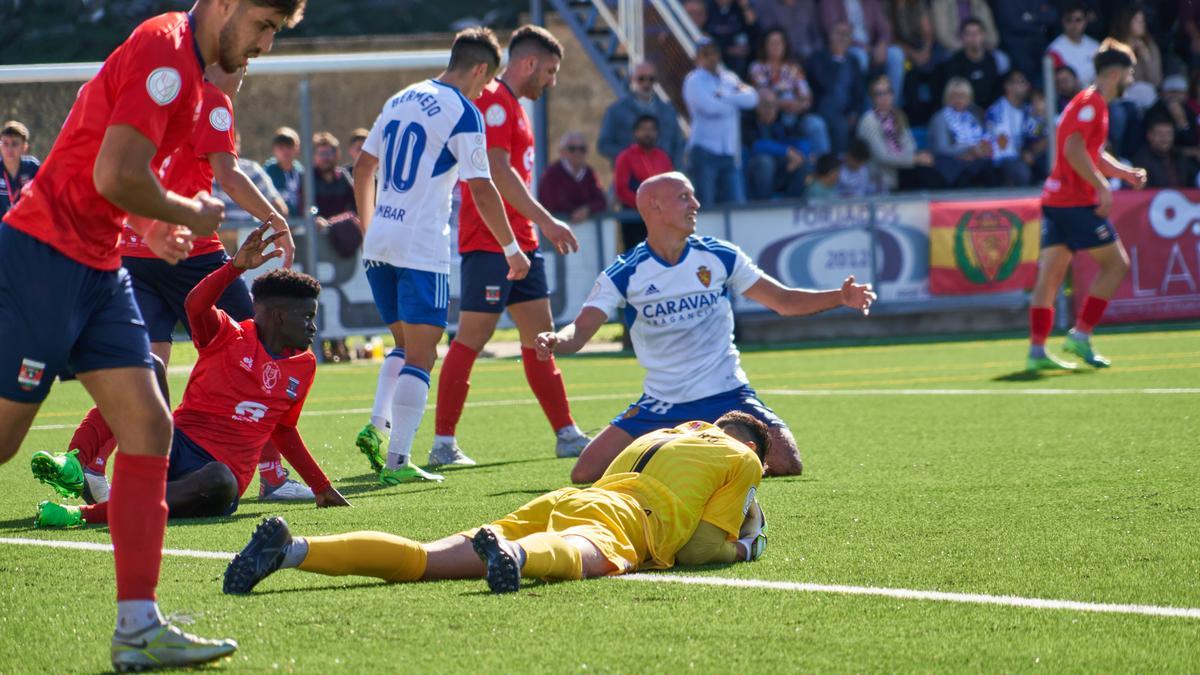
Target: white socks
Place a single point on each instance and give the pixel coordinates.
(135, 616)
(385, 388)
(295, 553)
(408, 407)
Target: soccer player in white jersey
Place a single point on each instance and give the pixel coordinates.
(422, 135)
(673, 292)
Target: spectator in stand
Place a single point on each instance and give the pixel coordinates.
(1165, 165)
(1074, 48)
(884, 128)
(962, 151)
(733, 26)
(1172, 106)
(975, 63)
(715, 98)
(616, 129)
(1066, 85)
(856, 178)
(1189, 30)
(776, 153)
(948, 19)
(1007, 120)
(798, 20)
(913, 30)
(1036, 137)
(777, 76)
(19, 166)
(233, 211)
(569, 187)
(354, 147)
(286, 172)
(870, 36)
(333, 194)
(642, 160)
(823, 182)
(697, 11)
(1130, 28)
(1024, 26)
(837, 82)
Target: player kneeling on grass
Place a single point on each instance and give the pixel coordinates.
(675, 496)
(248, 386)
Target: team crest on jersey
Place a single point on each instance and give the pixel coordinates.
(293, 387)
(704, 275)
(163, 85)
(220, 119)
(491, 294)
(633, 410)
(270, 376)
(29, 375)
(495, 115)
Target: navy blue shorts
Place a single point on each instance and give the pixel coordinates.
(188, 457)
(650, 414)
(408, 295)
(1076, 227)
(162, 288)
(56, 314)
(485, 284)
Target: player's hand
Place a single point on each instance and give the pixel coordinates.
(1137, 178)
(545, 343)
(208, 218)
(169, 241)
(1105, 197)
(286, 243)
(251, 255)
(857, 296)
(518, 266)
(560, 234)
(330, 497)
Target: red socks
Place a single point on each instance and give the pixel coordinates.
(137, 521)
(1089, 315)
(270, 465)
(94, 440)
(1041, 322)
(95, 514)
(453, 385)
(546, 381)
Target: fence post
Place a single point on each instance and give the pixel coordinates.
(307, 207)
(1051, 96)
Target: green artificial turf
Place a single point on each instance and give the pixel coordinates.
(1061, 495)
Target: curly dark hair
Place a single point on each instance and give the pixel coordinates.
(759, 432)
(281, 283)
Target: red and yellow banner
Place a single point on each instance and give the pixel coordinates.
(983, 246)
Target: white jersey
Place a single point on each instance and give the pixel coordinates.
(424, 133)
(679, 316)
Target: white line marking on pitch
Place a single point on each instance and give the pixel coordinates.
(771, 392)
(898, 593)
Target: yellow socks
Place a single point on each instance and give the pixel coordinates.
(549, 555)
(368, 554)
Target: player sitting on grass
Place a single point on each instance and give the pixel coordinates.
(248, 386)
(674, 290)
(684, 495)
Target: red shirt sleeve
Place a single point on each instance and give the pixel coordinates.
(154, 76)
(499, 119)
(207, 322)
(214, 130)
(622, 176)
(292, 447)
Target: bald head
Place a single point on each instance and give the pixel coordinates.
(668, 201)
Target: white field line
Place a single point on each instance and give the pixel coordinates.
(898, 593)
(778, 392)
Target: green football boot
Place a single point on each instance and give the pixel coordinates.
(165, 646)
(407, 474)
(1081, 346)
(370, 443)
(63, 472)
(54, 515)
(1049, 362)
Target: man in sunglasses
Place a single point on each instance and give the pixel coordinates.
(616, 131)
(569, 188)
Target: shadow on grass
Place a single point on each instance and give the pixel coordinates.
(327, 587)
(1038, 375)
(521, 492)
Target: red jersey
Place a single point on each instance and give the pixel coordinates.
(151, 83)
(239, 395)
(1087, 115)
(188, 171)
(508, 127)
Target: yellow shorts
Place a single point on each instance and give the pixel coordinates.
(613, 522)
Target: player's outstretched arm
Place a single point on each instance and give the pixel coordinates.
(487, 201)
(1114, 168)
(245, 194)
(798, 302)
(201, 302)
(573, 337)
(364, 188)
(123, 176)
(517, 194)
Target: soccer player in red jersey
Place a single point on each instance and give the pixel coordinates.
(534, 56)
(248, 386)
(65, 302)
(1076, 201)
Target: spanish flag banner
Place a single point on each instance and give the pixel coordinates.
(983, 246)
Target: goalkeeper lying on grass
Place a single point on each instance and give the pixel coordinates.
(674, 496)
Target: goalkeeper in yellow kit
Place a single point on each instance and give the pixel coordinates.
(675, 496)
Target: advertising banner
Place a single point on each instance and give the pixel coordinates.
(983, 246)
(1161, 232)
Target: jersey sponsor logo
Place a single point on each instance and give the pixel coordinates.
(163, 85)
(270, 376)
(479, 159)
(650, 290)
(29, 375)
(495, 115)
(704, 275)
(220, 119)
(293, 387)
(1086, 114)
(491, 294)
(666, 312)
(249, 411)
(247, 363)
